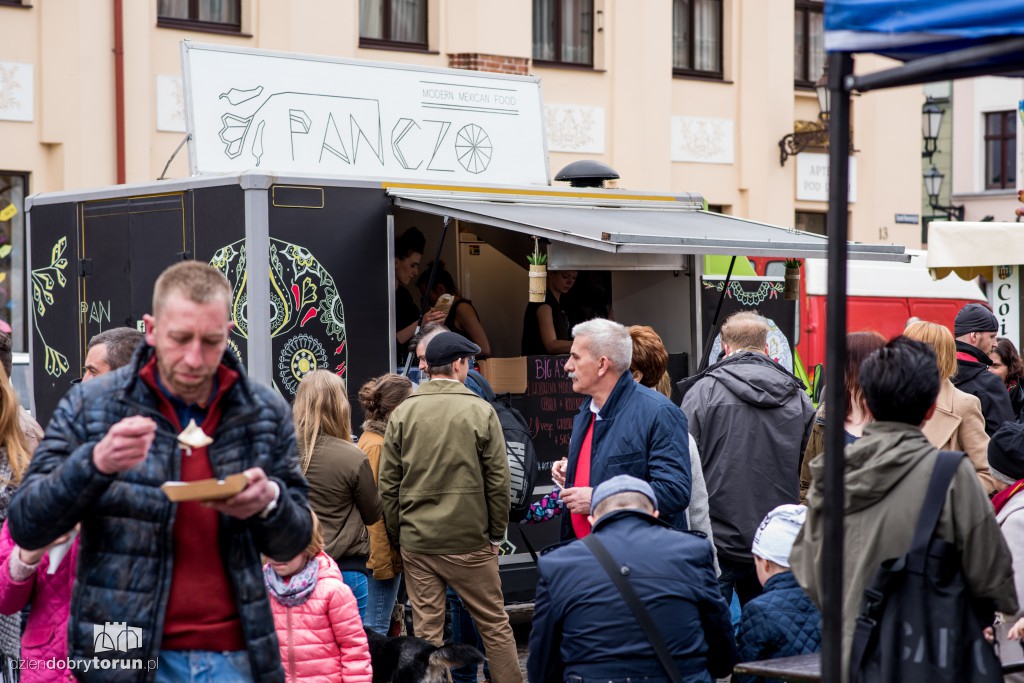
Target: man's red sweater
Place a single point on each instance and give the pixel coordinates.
(201, 609)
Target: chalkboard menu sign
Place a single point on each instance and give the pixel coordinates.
(549, 405)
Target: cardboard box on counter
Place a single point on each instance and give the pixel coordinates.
(505, 375)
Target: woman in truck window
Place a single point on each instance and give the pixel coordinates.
(859, 345)
(1007, 364)
(546, 328)
(462, 317)
(957, 424)
(409, 248)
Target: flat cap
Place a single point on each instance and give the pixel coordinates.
(448, 347)
(622, 483)
(974, 318)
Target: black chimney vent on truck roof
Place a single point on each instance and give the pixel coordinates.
(587, 173)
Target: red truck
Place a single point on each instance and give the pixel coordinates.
(881, 296)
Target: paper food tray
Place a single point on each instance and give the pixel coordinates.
(205, 489)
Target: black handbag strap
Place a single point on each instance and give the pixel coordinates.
(618, 576)
(942, 475)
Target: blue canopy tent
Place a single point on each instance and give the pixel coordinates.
(937, 40)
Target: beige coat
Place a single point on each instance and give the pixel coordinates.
(958, 425)
(385, 560)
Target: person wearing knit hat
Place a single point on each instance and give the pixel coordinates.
(975, 330)
(782, 621)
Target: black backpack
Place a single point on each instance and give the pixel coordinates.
(919, 621)
(522, 458)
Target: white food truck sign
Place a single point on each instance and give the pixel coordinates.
(1006, 301)
(284, 112)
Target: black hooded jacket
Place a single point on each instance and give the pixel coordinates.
(973, 377)
(751, 419)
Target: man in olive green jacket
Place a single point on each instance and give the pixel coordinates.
(887, 474)
(444, 481)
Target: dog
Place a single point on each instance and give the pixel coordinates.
(407, 659)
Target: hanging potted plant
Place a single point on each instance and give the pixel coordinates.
(538, 274)
(791, 292)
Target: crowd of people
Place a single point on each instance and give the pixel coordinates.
(691, 533)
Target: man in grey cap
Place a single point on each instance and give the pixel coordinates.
(584, 630)
(444, 480)
(975, 330)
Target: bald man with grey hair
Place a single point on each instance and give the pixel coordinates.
(751, 419)
(622, 428)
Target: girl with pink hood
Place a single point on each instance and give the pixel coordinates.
(317, 619)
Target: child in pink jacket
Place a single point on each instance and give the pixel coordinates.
(24, 578)
(317, 618)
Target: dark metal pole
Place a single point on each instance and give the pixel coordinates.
(705, 360)
(840, 66)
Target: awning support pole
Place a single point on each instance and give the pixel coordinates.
(840, 66)
(939, 66)
(713, 332)
(425, 301)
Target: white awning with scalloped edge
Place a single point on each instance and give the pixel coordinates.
(973, 249)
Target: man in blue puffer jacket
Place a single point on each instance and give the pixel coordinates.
(583, 629)
(170, 591)
(622, 428)
(782, 621)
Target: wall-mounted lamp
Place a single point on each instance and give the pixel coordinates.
(933, 186)
(815, 135)
(931, 124)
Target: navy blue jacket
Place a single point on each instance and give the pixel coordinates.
(127, 544)
(640, 433)
(582, 625)
(781, 622)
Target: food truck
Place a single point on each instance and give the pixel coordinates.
(304, 171)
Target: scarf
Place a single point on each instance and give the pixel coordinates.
(1000, 499)
(296, 589)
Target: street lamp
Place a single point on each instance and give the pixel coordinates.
(932, 187)
(931, 123)
(824, 95)
(814, 134)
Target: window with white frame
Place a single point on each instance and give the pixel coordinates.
(1000, 150)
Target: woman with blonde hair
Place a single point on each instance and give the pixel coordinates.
(342, 491)
(15, 452)
(957, 424)
(378, 398)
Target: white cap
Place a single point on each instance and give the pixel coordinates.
(774, 538)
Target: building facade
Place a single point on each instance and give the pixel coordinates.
(676, 95)
(984, 159)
